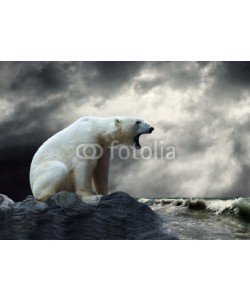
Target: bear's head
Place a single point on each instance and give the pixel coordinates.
(128, 130)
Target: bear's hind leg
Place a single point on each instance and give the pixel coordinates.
(50, 181)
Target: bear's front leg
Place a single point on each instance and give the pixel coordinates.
(101, 174)
(83, 182)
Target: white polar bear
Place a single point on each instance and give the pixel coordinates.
(57, 166)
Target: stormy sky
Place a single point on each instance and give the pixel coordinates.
(200, 108)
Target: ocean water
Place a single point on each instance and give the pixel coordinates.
(204, 219)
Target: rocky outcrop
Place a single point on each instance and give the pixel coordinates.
(65, 216)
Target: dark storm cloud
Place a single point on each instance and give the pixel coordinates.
(241, 143)
(28, 124)
(30, 92)
(32, 79)
(14, 173)
(236, 72)
(40, 89)
(109, 77)
(145, 85)
(231, 82)
(20, 137)
(179, 75)
(44, 77)
(116, 73)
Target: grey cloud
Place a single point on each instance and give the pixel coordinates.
(116, 73)
(32, 80)
(45, 77)
(231, 82)
(179, 75)
(145, 85)
(107, 77)
(236, 72)
(241, 138)
(41, 79)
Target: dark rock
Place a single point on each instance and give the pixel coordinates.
(244, 209)
(196, 204)
(178, 202)
(163, 201)
(65, 216)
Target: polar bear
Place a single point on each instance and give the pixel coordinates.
(57, 165)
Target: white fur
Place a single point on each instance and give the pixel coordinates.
(55, 166)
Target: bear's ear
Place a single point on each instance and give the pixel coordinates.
(118, 122)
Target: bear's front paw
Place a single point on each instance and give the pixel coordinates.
(91, 199)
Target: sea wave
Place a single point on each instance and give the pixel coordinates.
(238, 207)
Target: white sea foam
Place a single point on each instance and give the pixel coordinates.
(239, 206)
(219, 206)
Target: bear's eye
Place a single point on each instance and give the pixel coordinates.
(138, 122)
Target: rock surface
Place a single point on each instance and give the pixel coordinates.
(65, 216)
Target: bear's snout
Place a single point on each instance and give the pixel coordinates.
(151, 129)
